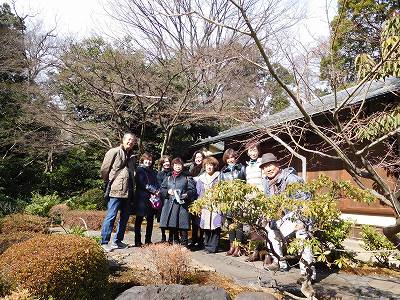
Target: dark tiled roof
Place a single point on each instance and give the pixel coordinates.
(370, 90)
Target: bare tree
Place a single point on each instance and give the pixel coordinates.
(344, 142)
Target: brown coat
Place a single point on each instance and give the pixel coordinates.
(109, 169)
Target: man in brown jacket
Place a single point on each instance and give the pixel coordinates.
(119, 168)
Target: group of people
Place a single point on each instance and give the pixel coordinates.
(175, 188)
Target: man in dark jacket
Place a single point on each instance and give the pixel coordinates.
(119, 168)
(275, 182)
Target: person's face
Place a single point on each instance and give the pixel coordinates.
(166, 165)
(198, 159)
(270, 170)
(129, 142)
(231, 160)
(178, 167)
(210, 169)
(147, 162)
(252, 153)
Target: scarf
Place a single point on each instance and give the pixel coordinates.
(252, 162)
(176, 174)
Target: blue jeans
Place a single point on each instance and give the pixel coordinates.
(115, 204)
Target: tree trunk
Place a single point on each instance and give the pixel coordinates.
(167, 137)
(140, 144)
(49, 163)
(391, 233)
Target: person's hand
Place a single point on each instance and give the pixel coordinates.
(171, 192)
(299, 226)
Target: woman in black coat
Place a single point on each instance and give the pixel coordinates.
(233, 170)
(146, 185)
(195, 170)
(165, 163)
(177, 190)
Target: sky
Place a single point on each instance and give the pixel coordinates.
(82, 18)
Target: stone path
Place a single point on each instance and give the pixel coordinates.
(328, 286)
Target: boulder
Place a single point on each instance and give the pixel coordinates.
(255, 296)
(174, 292)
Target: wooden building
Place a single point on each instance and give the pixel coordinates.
(374, 96)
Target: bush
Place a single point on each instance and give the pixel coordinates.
(58, 266)
(41, 205)
(93, 219)
(20, 294)
(373, 240)
(9, 239)
(17, 223)
(6, 286)
(171, 262)
(58, 213)
(9, 205)
(92, 199)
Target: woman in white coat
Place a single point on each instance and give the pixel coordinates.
(210, 221)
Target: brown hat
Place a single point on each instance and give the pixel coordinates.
(267, 158)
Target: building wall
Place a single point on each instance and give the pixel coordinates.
(332, 168)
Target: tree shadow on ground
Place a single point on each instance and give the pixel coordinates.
(359, 292)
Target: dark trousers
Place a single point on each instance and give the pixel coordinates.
(236, 233)
(211, 239)
(138, 228)
(177, 236)
(197, 232)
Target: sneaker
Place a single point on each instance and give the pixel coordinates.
(106, 248)
(275, 267)
(119, 245)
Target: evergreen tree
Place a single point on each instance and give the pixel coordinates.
(356, 29)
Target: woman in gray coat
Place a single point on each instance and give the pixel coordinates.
(177, 190)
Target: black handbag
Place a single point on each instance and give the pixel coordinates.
(107, 189)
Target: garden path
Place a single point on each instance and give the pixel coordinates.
(329, 285)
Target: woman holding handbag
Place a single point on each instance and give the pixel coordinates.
(177, 190)
(147, 194)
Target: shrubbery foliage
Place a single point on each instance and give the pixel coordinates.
(41, 205)
(59, 266)
(62, 214)
(17, 223)
(373, 240)
(246, 204)
(92, 199)
(171, 262)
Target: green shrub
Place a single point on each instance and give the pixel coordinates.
(17, 223)
(10, 205)
(90, 200)
(75, 171)
(328, 229)
(373, 240)
(58, 266)
(41, 205)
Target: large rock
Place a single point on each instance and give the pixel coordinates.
(174, 292)
(255, 296)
